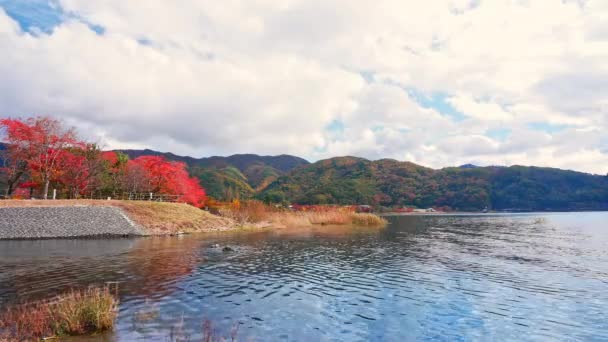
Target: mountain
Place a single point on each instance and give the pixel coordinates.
(392, 183)
(387, 182)
(236, 176)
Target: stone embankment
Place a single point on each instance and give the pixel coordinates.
(68, 221)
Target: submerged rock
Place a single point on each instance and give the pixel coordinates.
(227, 249)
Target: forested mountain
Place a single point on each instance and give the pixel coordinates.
(283, 163)
(386, 182)
(392, 183)
(236, 176)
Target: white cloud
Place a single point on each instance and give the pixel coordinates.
(480, 110)
(269, 76)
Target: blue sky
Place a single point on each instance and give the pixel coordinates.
(441, 83)
(41, 16)
(33, 15)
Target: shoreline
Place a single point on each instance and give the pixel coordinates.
(90, 219)
(86, 219)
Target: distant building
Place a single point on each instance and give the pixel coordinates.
(428, 210)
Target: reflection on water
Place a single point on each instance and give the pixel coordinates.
(506, 277)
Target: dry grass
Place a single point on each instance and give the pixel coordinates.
(163, 218)
(248, 212)
(74, 313)
(333, 217)
(290, 219)
(154, 217)
(367, 219)
(257, 213)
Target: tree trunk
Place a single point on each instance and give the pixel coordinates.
(45, 192)
(11, 185)
(14, 181)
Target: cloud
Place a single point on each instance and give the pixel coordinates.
(481, 110)
(276, 76)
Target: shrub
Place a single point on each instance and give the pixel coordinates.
(74, 313)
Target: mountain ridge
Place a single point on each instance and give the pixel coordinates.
(391, 183)
(278, 161)
(234, 176)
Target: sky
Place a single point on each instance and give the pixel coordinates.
(435, 82)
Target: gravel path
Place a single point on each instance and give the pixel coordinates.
(52, 222)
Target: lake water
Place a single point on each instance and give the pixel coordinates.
(532, 277)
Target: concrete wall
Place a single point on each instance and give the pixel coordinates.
(50, 222)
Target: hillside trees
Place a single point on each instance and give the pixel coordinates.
(390, 183)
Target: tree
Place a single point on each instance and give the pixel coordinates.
(136, 178)
(156, 174)
(74, 174)
(95, 166)
(46, 151)
(13, 169)
(116, 178)
(40, 142)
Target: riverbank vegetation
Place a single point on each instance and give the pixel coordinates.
(256, 213)
(80, 312)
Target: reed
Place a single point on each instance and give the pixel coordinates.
(248, 211)
(333, 217)
(255, 212)
(367, 219)
(80, 312)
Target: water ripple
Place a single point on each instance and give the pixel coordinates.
(510, 277)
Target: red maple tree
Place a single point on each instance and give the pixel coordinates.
(169, 177)
(39, 142)
(74, 173)
(40, 150)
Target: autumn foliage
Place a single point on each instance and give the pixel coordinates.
(168, 177)
(42, 153)
(39, 144)
(74, 313)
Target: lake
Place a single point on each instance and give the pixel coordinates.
(512, 277)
